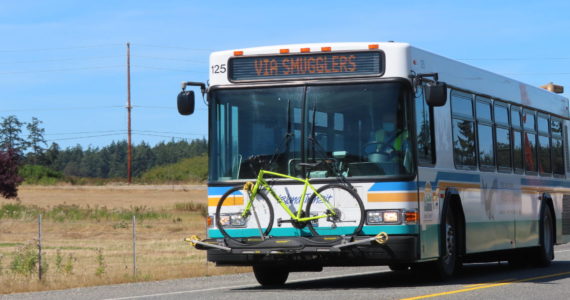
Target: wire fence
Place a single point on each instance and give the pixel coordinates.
(43, 253)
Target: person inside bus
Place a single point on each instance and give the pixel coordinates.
(391, 145)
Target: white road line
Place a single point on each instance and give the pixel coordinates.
(242, 286)
(254, 285)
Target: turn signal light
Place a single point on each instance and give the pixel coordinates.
(411, 216)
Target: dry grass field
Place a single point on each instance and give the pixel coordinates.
(99, 251)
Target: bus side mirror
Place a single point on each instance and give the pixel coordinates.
(186, 103)
(436, 93)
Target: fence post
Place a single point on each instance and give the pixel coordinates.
(40, 246)
(134, 246)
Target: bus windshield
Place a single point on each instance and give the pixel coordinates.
(358, 129)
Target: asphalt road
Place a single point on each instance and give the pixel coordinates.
(476, 281)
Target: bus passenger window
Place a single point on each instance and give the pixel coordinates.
(464, 150)
(529, 141)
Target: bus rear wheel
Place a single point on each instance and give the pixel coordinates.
(269, 276)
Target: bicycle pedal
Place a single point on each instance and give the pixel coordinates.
(280, 221)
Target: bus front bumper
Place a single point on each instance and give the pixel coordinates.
(321, 250)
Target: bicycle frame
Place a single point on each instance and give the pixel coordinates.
(296, 217)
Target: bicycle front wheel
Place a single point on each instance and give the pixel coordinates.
(346, 217)
(244, 228)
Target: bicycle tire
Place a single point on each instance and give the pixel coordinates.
(343, 198)
(231, 205)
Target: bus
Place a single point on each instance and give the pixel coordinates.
(453, 164)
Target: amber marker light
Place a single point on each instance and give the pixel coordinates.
(326, 49)
(305, 50)
(411, 216)
(238, 53)
(373, 47)
(283, 51)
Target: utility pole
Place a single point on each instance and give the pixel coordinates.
(129, 107)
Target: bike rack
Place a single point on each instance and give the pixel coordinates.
(380, 238)
(195, 240)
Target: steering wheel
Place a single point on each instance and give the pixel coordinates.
(383, 149)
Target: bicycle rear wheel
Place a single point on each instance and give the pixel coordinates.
(233, 225)
(349, 211)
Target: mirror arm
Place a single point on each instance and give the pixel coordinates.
(193, 83)
(422, 77)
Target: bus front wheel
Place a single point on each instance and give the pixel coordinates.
(448, 262)
(545, 252)
(269, 276)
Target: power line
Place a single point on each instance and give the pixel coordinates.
(61, 108)
(60, 48)
(60, 70)
(169, 132)
(164, 69)
(173, 47)
(87, 132)
(517, 58)
(59, 59)
(84, 137)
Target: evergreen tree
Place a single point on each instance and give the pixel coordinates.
(36, 140)
(10, 131)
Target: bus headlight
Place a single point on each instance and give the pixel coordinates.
(233, 220)
(374, 217)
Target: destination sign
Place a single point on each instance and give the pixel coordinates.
(305, 66)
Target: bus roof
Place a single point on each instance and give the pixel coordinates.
(403, 60)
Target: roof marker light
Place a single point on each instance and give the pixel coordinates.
(373, 46)
(305, 50)
(283, 51)
(326, 49)
(238, 53)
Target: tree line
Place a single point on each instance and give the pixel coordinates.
(30, 147)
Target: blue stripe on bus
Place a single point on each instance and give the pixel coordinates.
(218, 190)
(394, 186)
(462, 177)
(544, 182)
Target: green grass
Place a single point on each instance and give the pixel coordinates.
(65, 212)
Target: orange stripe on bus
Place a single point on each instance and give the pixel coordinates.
(392, 197)
(234, 200)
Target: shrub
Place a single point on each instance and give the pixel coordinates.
(25, 260)
(193, 169)
(36, 174)
(9, 178)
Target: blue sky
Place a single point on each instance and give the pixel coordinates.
(64, 62)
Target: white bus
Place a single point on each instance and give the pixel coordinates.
(455, 164)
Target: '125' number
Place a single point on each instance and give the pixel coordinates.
(217, 69)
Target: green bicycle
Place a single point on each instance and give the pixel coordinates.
(244, 213)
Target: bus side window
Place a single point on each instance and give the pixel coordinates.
(463, 124)
(424, 129)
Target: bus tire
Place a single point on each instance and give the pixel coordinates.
(399, 267)
(545, 252)
(448, 262)
(270, 276)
